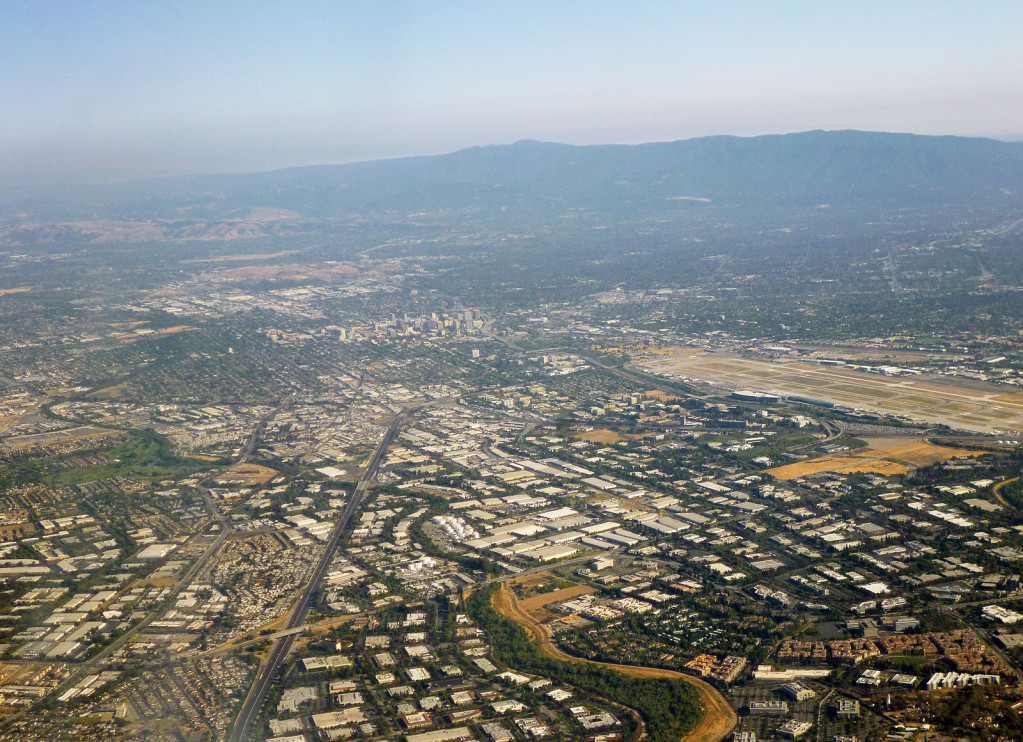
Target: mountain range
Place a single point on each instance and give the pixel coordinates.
(540, 179)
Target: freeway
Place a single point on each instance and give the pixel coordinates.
(286, 638)
(331, 622)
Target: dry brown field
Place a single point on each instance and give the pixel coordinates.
(885, 460)
(555, 596)
(838, 465)
(922, 453)
(110, 392)
(246, 475)
(605, 436)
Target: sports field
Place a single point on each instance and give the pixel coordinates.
(958, 406)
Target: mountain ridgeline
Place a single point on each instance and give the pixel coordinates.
(804, 170)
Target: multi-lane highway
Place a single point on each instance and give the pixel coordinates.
(282, 646)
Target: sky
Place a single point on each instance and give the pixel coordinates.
(98, 91)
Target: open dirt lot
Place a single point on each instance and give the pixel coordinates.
(838, 465)
(980, 408)
(532, 593)
(528, 585)
(885, 460)
(607, 437)
(111, 392)
(922, 453)
(719, 717)
(555, 596)
(246, 475)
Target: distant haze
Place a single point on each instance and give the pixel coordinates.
(108, 91)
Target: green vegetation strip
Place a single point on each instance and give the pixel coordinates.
(670, 707)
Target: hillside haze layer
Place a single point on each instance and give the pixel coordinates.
(537, 179)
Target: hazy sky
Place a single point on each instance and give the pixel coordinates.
(92, 90)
